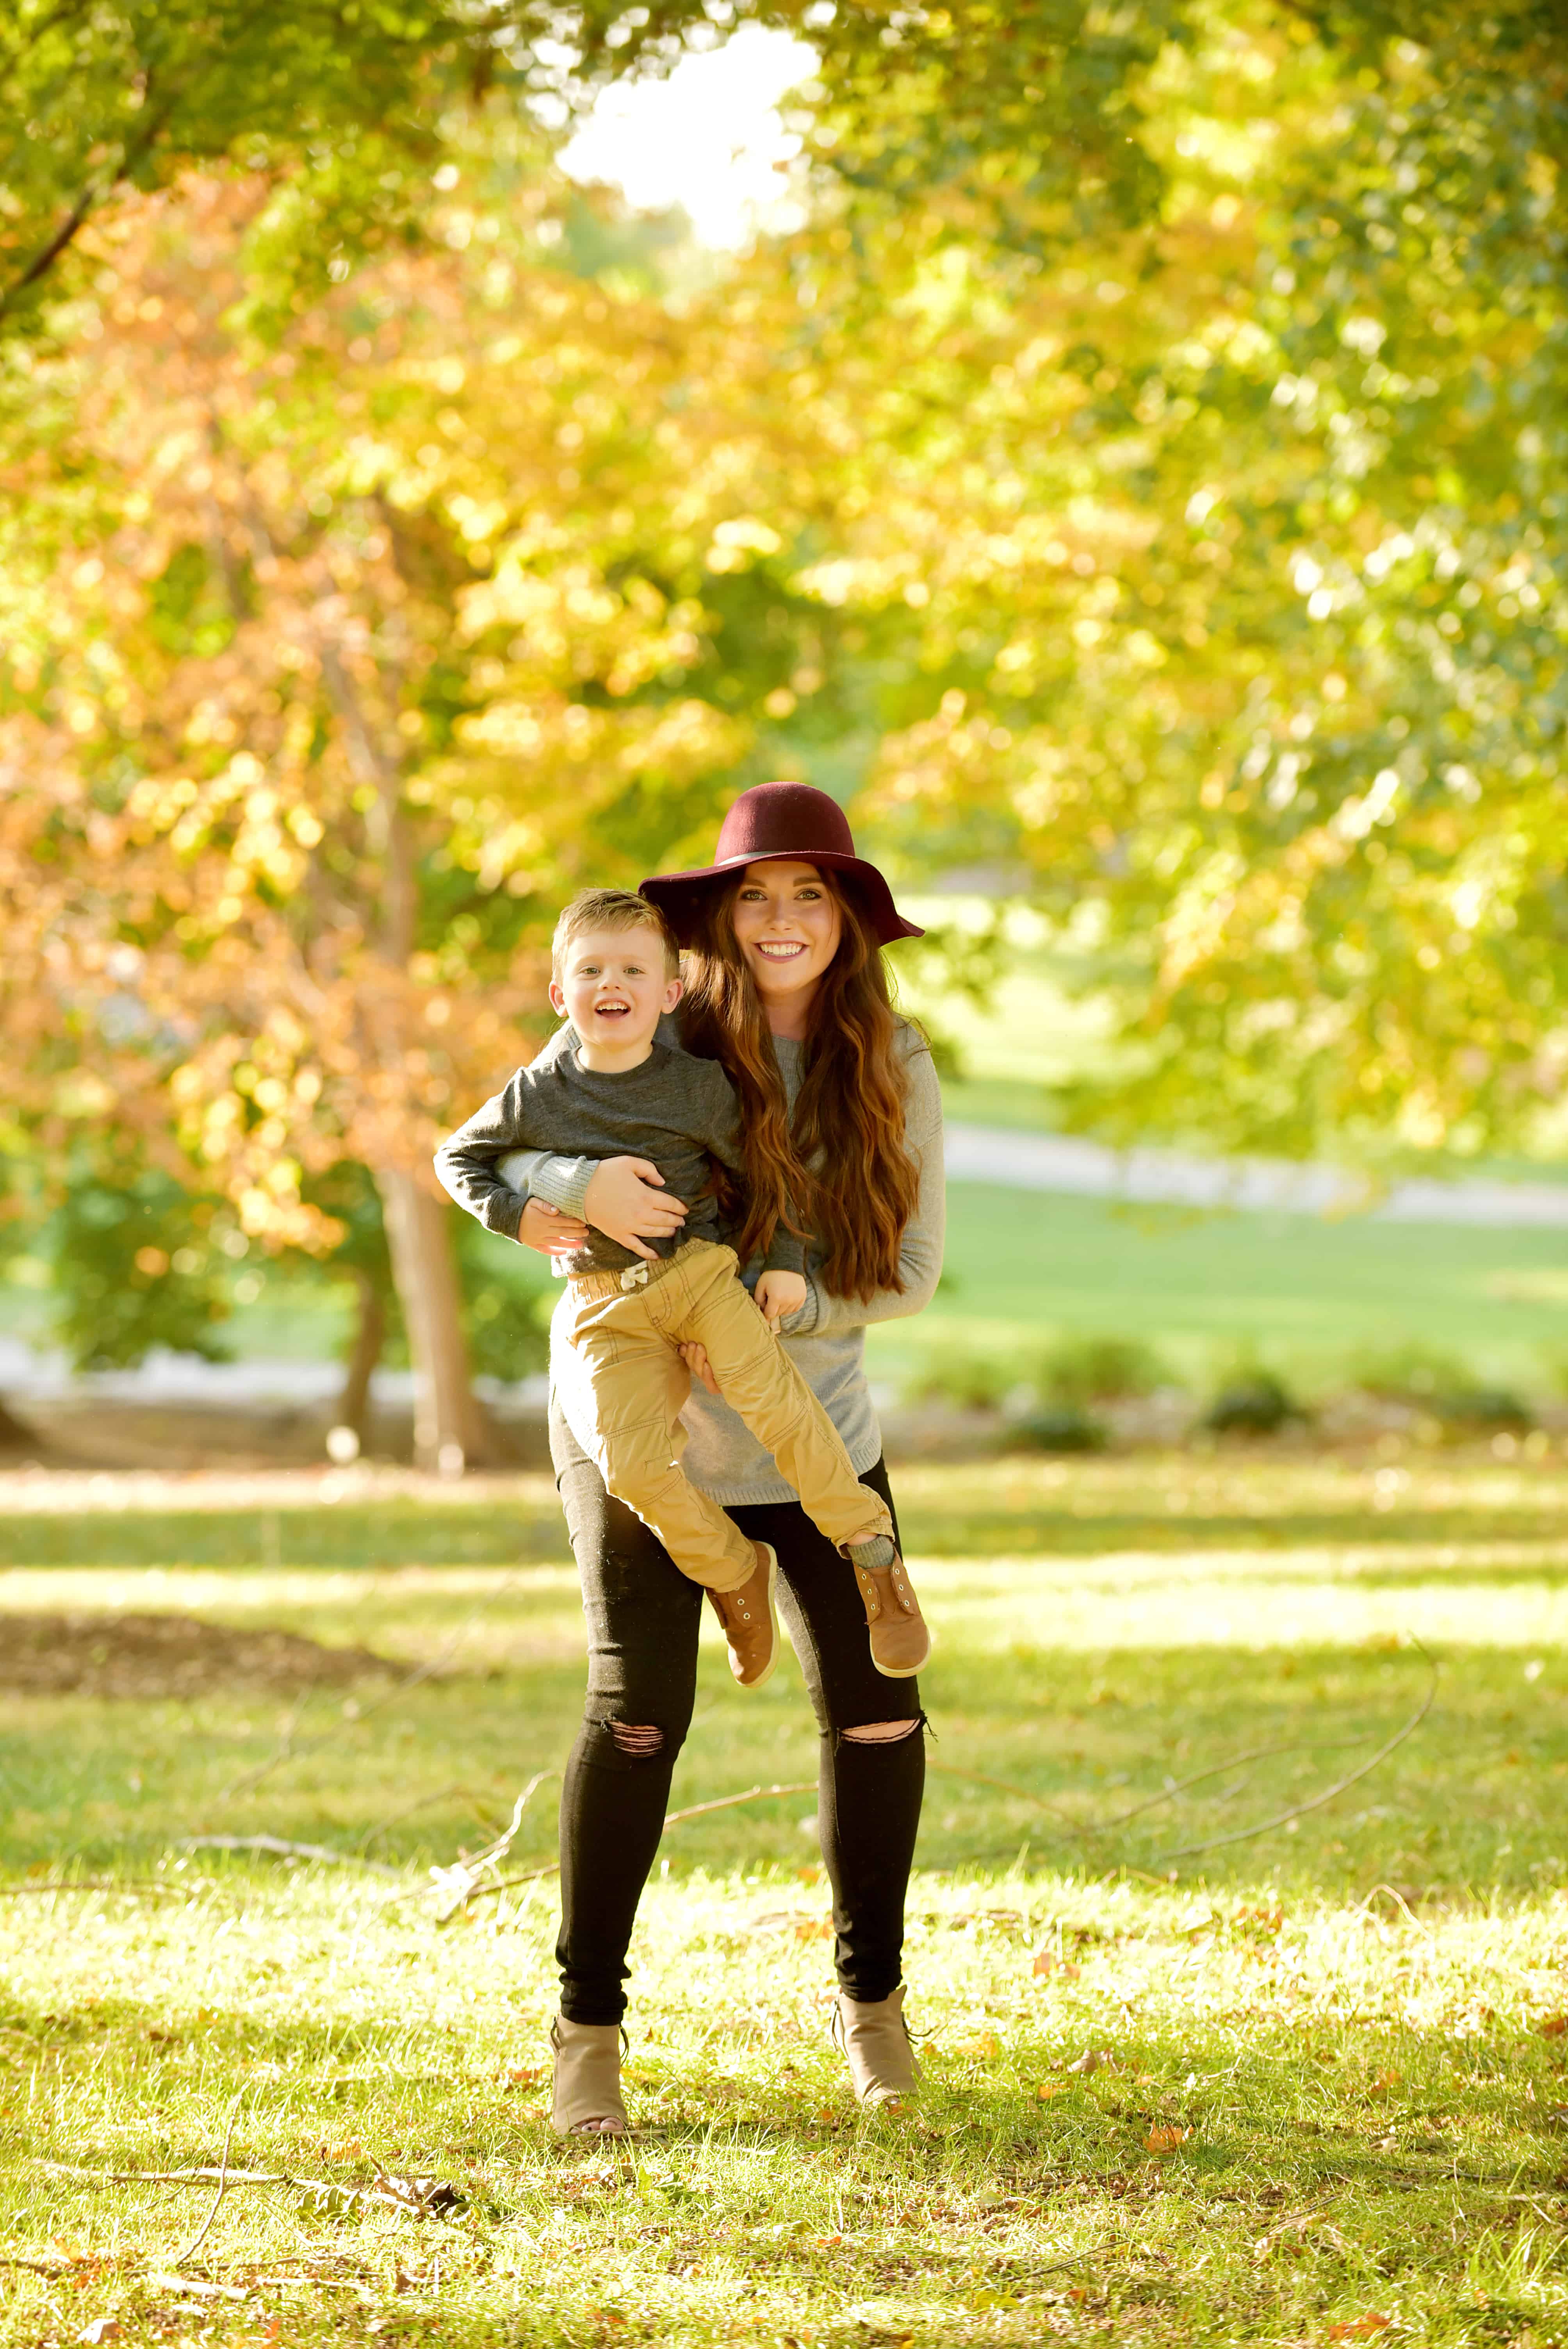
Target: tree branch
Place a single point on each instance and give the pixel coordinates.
(1315, 1802)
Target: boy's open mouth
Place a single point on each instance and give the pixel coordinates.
(612, 1010)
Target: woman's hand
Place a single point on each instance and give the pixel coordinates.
(627, 1200)
(695, 1357)
(779, 1293)
(545, 1227)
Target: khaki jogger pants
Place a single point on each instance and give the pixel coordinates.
(628, 1339)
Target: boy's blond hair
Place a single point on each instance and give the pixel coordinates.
(611, 909)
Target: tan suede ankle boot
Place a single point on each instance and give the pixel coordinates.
(874, 2038)
(585, 2096)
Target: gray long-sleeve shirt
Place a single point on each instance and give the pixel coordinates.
(826, 1337)
(679, 1113)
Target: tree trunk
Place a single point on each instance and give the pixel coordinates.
(369, 1337)
(16, 1436)
(449, 1429)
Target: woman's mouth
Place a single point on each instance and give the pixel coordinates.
(780, 949)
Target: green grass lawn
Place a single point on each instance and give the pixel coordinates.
(1303, 1293)
(1326, 2087)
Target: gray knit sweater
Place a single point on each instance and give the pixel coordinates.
(826, 1339)
(679, 1113)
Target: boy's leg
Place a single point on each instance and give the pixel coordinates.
(639, 1385)
(757, 1379)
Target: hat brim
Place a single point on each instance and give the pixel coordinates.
(680, 896)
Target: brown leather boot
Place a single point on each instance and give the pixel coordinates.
(750, 1622)
(875, 2039)
(900, 1638)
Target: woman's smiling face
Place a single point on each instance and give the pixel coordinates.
(787, 925)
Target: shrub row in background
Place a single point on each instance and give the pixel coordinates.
(1081, 1393)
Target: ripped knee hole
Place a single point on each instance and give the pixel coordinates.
(880, 1733)
(635, 1738)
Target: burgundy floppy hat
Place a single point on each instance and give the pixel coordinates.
(770, 824)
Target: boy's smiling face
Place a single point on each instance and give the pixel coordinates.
(613, 985)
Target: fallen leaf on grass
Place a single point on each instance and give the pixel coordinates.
(984, 2047)
(1360, 2328)
(1045, 1963)
(1049, 2089)
(1090, 2060)
(102, 2328)
(1382, 2082)
(1552, 2026)
(525, 2076)
(1165, 2139)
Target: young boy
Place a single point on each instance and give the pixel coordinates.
(619, 1091)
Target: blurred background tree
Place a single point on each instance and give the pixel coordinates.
(1138, 482)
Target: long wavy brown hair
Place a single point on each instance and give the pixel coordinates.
(841, 1163)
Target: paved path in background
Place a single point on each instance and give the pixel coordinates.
(1057, 1162)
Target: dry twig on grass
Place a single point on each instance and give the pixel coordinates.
(675, 1819)
(200, 2238)
(1022, 1794)
(459, 1883)
(96, 1884)
(1315, 1802)
(396, 1819)
(281, 1848)
(420, 2198)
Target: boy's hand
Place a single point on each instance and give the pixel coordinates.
(778, 1293)
(627, 1200)
(550, 1231)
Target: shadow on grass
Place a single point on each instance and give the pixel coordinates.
(412, 1533)
(1086, 1531)
(392, 1534)
(1081, 1763)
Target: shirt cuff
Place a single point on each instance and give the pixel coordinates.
(564, 1183)
(801, 1323)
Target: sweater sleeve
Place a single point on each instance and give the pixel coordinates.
(920, 1250)
(546, 1174)
(468, 1161)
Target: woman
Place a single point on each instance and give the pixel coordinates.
(786, 987)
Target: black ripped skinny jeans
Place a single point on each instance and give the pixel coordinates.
(642, 1618)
